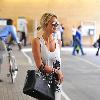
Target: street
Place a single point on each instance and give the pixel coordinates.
(81, 75)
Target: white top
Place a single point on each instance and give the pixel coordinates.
(74, 31)
(47, 56)
(22, 25)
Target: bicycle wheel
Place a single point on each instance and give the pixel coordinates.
(13, 68)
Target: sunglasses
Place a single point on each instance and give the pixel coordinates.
(55, 24)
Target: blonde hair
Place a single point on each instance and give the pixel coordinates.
(46, 17)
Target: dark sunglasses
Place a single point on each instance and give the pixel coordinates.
(55, 24)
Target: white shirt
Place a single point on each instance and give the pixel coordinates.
(74, 31)
(47, 56)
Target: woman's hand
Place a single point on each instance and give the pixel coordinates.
(60, 75)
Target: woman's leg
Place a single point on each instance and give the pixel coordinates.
(97, 52)
(81, 48)
(58, 93)
(74, 49)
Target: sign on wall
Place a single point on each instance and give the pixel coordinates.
(88, 28)
(3, 22)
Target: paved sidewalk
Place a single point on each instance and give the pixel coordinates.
(9, 91)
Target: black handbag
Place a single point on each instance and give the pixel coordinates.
(37, 85)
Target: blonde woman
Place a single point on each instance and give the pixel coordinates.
(46, 50)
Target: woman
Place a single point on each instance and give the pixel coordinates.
(46, 50)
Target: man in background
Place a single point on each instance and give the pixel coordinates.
(5, 31)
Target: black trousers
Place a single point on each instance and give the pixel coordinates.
(98, 51)
(23, 37)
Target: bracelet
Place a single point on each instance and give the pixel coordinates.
(54, 70)
(41, 67)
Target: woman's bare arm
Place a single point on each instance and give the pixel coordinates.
(36, 51)
(37, 55)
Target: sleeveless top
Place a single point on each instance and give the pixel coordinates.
(49, 57)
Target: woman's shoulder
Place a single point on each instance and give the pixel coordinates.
(36, 40)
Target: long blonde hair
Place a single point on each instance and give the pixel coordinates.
(46, 17)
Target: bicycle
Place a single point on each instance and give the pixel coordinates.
(13, 68)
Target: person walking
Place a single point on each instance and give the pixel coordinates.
(46, 50)
(61, 29)
(22, 29)
(78, 40)
(57, 36)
